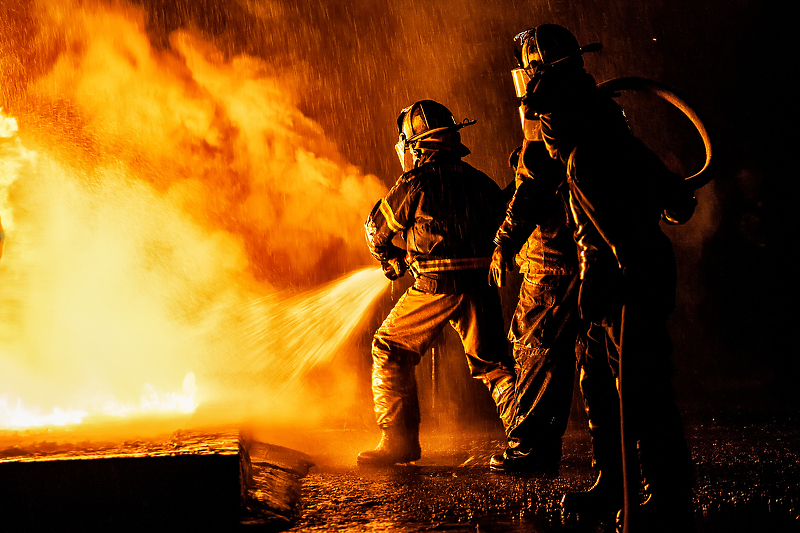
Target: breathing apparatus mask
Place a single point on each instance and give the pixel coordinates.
(427, 126)
(542, 47)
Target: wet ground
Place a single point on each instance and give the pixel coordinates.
(748, 471)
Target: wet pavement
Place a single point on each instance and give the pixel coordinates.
(748, 472)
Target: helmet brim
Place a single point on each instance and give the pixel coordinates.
(455, 127)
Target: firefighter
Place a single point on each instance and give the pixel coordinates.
(537, 233)
(619, 191)
(446, 213)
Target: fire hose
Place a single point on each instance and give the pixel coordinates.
(630, 464)
(700, 178)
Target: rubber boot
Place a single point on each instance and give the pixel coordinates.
(669, 506)
(603, 500)
(543, 459)
(398, 445)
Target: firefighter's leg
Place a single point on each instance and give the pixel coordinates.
(478, 320)
(480, 325)
(666, 462)
(399, 343)
(545, 327)
(601, 402)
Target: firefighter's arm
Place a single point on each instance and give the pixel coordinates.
(389, 217)
(608, 213)
(508, 239)
(515, 229)
(537, 177)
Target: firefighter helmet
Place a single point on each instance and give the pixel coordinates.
(548, 44)
(428, 125)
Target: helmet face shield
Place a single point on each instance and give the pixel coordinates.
(521, 78)
(531, 58)
(404, 154)
(400, 148)
(402, 142)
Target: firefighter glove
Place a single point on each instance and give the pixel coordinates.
(394, 268)
(497, 270)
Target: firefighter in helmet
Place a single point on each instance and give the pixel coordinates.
(619, 191)
(446, 213)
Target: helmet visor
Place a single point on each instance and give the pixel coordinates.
(400, 148)
(404, 154)
(521, 78)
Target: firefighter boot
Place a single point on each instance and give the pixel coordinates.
(664, 513)
(542, 459)
(668, 482)
(398, 445)
(603, 500)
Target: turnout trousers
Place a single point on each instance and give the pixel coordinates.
(544, 331)
(416, 320)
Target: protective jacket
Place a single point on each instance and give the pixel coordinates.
(537, 226)
(428, 207)
(618, 191)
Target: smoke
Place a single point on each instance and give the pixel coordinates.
(148, 195)
(227, 131)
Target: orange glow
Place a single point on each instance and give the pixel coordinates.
(165, 214)
(16, 415)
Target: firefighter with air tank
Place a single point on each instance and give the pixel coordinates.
(619, 190)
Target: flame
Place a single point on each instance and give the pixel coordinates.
(15, 415)
(151, 401)
(162, 206)
(8, 125)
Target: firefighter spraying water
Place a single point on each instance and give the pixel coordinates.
(445, 211)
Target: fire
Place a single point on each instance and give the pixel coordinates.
(153, 402)
(15, 415)
(8, 125)
(162, 208)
